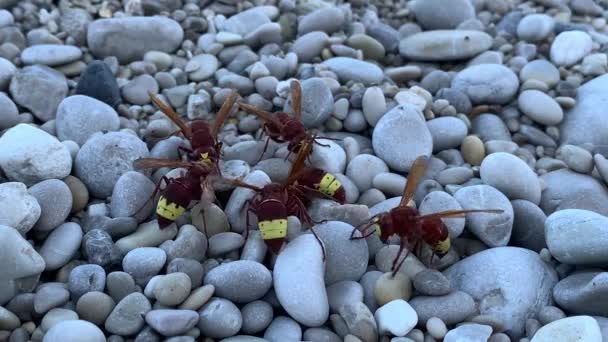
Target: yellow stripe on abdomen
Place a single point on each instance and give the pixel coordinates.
(329, 184)
(442, 247)
(168, 210)
(273, 229)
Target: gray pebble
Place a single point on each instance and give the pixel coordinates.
(79, 116)
(39, 89)
(350, 69)
(223, 243)
(240, 281)
(528, 226)
(136, 91)
(99, 249)
(438, 201)
(310, 45)
(431, 283)
(363, 168)
(219, 318)
(61, 245)
(581, 293)
(499, 83)
(55, 200)
(535, 27)
(50, 54)
(490, 127)
(9, 114)
(540, 70)
(127, 318)
(95, 307)
(317, 102)
(120, 285)
(328, 20)
(172, 322)
(447, 132)
(131, 191)
(49, 296)
(540, 107)
(470, 43)
(577, 158)
(344, 292)
(86, 278)
(283, 328)
(570, 190)
(454, 175)
(257, 315)
(512, 176)
(438, 14)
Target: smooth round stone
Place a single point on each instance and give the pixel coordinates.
(7, 70)
(396, 318)
(438, 201)
(487, 83)
(328, 20)
(540, 107)
(240, 281)
(283, 329)
(528, 226)
(436, 328)
(576, 236)
(523, 280)
(442, 14)
(192, 268)
(39, 89)
(95, 307)
(115, 36)
(454, 175)
(389, 288)
(371, 48)
(494, 146)
(22, 210)
(98, 82)
(208, 64)
(368, 282)
(198, 298)
(9, 114)
(172, 322)
(447, 132)
(86, 278)
(363, 168)
(493, 229)
(350, 69)
(570, 190)
(50, 54)
(246, 21)
(80, 116)
(301, 263)
(310, 45)
(223, 243)
(373, 104)
(137, 90)
(583, 293)
(321, 335)
(535, 27)
(574, 328)
(61, 245)
(219, 318)
(131, 191)
(577, 158)
(104, 158)
(171, 289)
(8, 320)
(257, 315)
(511, 176)
(389, 183)
(74, 331)
(25, 261)
(127, 318)
(143, 263)
(432, 283)
(56, 316)
(359, 321)
(540, 70)
(98, 248)
(490, 127)
(440, 45)
(402, 126)
(189, 243)
(30, 155)
(343, 292)
(49, 296)
(569, 47)
(550, 314)
(119, 285)
(55, 201)
(469, 332)
(345, 259)
(317, 102)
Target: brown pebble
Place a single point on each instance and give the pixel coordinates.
(473, 150)
(80, 194)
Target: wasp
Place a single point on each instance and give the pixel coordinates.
(413, 228)
(274, 202)
(204, 144)
(202, 162)
(281, 127)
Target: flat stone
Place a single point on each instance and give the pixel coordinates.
(444, 45)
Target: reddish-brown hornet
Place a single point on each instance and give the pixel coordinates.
(178, 193)
(281, 127)
(274, 202)
(410, 226)
(203, 140)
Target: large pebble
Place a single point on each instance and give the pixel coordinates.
(95, 307)
(345, 259)
(61, 245)
(21, 209)
(39, 89)
(360, 321)
(257, 315)
(401, 136)
(172, 322)
(363, 168)
(509, 283)
(50, 54)
(570, 47)
(528, 226)
(447, 132)
(469, 332)
(317, 102)
(74, 331)
(574, 328)
(570, 190)
(396, 318)
(328, 20)
(432, 283)
(55, 201)
(487, 83)
(127, 318)
(246, 21)
(444, 45)
(86, 278)
(138, 89)
(147, 235)
(310, 45)
(208, 64)
(331, 158)
(115, 37)
(21, 260)
(442, 14)
(342, 293)
(540, 107)
(104, 158)
(491, 228)
(9, 114)
(577, 236)
(511, 176)
(583, 293)
(30, 155)
(171, 289)
(189, 243)
(540, 70)
(490, 127)
(283, 329)
(350, 69)
(240, 281)
(535, 27)
(98, 82)
(79, 116)
(143, 263)
(131, 191)
(298, 281)
(451, 309)
(7, 70)
(219, 318)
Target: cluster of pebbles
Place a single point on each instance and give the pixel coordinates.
(506, 97)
